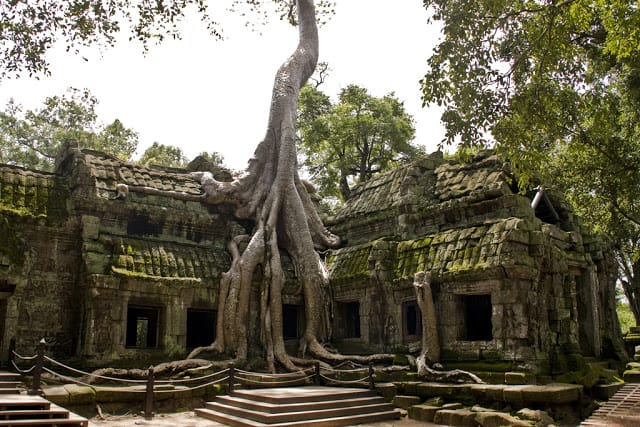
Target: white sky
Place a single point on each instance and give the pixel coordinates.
(206, 95)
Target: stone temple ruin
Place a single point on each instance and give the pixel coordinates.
(106, 271)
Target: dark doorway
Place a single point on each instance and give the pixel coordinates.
(352, 319)
(142, 327)
(477, 317)
(411, 321)
(291, 321)
(201, 327)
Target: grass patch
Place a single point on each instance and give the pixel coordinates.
(625, 316)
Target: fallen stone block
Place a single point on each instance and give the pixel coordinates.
(404, 402)
(424, 413)
(455, 417)
(499, 419)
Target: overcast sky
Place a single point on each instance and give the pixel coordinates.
(206, 95)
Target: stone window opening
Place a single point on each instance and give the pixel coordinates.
(201, 327)
(142, 327)
(544, 208)
(477, 311)
(411, 321)
(291, 321)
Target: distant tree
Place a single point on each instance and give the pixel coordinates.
(163, 155)
(213, 157)
(350, 141)
(33, 138)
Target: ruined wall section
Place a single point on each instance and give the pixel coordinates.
(146, 242)
(38, 261)
(544, 288)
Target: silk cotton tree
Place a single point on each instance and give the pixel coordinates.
(272, 194)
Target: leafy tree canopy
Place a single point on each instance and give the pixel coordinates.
(33, 138)
(164, 155)
(555, 85)
(349, 141)
(30, 28)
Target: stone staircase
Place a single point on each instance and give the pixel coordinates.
(23, 410)
(299, 406)
(10, 383)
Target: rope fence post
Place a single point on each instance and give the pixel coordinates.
(37, 371)
(149, 397)
(372, 384)
(232, 373)
(12, 354)
(316, 377)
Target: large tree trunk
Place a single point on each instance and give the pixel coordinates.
(430, 340)
(430, 352)
(273, 196)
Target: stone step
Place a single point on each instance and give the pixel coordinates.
(274, 408)
(234, 421)
(286, 414)
(299, 406)
(24, 410)
(289, 395)
(33, 414)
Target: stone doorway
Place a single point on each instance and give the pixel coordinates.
(201, 327)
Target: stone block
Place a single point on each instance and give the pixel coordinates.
(404, 402)
(455, 417)
(424, 413)
(386, 390)
(498, 419)
(119, 394)
(631, 376)
(58, 395)
(552, 393)
(535, 415)
(80, 395)
(518, 378)
(488, 392)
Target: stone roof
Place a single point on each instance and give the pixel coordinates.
(446, 217)
(163, 260)
(108, 171)
(25, 192)
(427, 182)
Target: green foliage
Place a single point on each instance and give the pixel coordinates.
(30, 28)
(625, 316)
(349, 141)
(164, 155)
(33, 138)
(555, 86)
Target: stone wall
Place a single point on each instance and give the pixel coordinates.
(511, 283)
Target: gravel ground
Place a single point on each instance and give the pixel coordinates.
(189, 419)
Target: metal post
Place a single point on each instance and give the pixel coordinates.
(317, 378)
(372, 384)
(231, 378)
(37, 370)
(12, 355)
(149, 397)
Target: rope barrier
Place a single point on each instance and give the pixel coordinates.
(333, 380)
(231, 374)
(22, 371)
(193, 388)
(275, 383)
(25, 357)
(344, 370)
(270, 375)
(88, 374)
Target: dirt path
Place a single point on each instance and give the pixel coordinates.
(189, 419)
